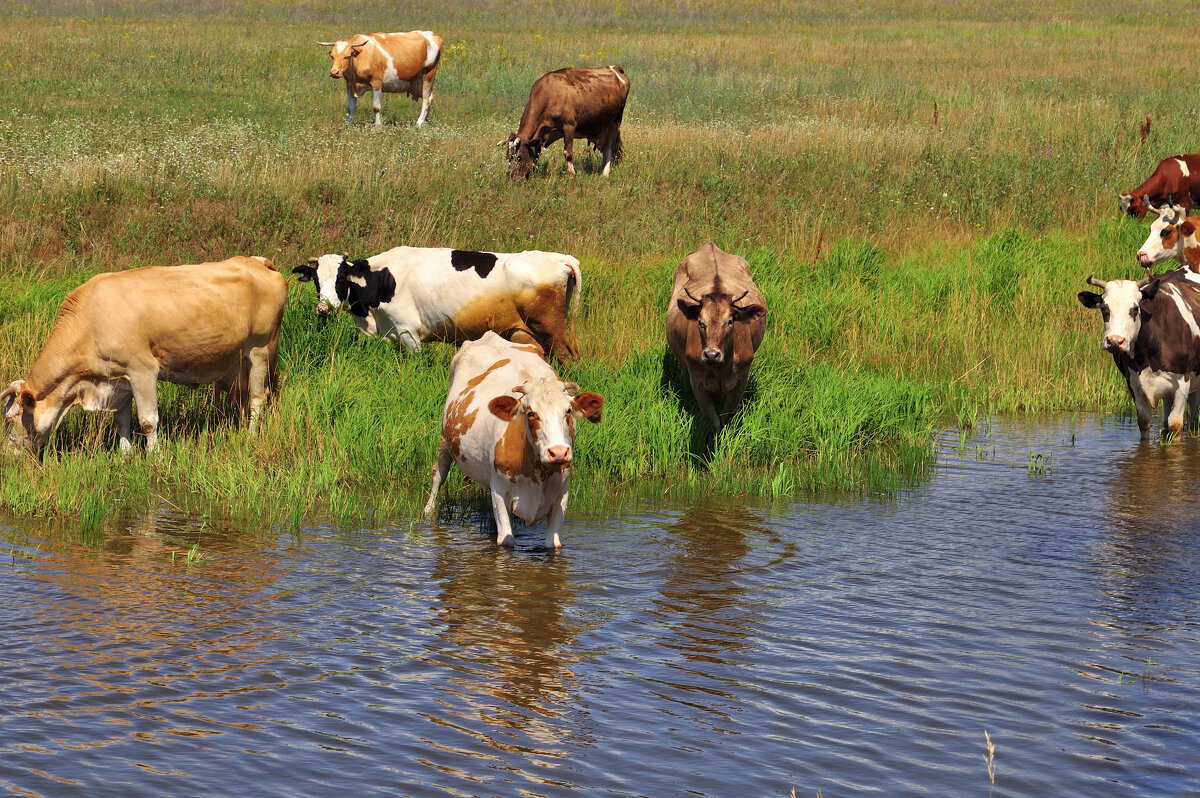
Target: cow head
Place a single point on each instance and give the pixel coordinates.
(1167, 236)
(27, 425)
(1120, 307)
(343, 53)
(1134, 206)
(715, 315)
(551, 408)
(327, 274)
(523, 154)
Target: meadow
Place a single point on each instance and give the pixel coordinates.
(920, 189)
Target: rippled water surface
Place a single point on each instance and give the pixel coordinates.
(1043, 585)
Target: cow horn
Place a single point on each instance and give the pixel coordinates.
(326, 44)
(519, 389)
(1091, 280)
(739, 299)
(314, 260)
(689, 294)
(1143, 283)
(572, 389)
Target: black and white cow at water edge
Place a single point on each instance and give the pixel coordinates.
(410, 295)
(1151, 330)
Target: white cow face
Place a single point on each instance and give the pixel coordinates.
(324, 272)
(1167, 235)
(551, 408)
(1120, 307)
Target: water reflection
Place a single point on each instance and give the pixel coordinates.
(504, 615)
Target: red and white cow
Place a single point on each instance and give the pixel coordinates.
(414, 294)
(584, 102)
(393, 62)
(1172, 236)
(1152, 332)
(1175, 180)
(509, 423)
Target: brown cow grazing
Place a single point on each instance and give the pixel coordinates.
(119, 333)
(1175, 181)
(585, 102)
(392, 62)
(715, 322)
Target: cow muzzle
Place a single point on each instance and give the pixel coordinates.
(712, 356)
(324, 309)
(1144, 258)
(1115, 343)
(335, 73)
(558, 455)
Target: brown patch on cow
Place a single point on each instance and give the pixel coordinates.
(460, 417)
(514, 455)
(590, 406)
(546, 317)
(474, 382)
(529, 319)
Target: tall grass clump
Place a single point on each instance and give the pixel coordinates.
(920, 190)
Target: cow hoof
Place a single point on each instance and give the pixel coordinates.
(508, 541)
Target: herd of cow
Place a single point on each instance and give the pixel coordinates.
(509, 420)
(1151, 325)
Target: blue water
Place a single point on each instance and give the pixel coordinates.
(1043, 586)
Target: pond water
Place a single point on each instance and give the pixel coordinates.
(1043, 585)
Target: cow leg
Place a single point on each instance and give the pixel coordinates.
(1193, 403)
(426, 97)
(351, 103)
(124, 416)
(610, 145)
(145, 393)
(705, 403)
(1142, 405)
(554, 522)
(377, 105)
(260, 369)
(504, 533)
(568, 148)
(1174, 407)
(440, 469)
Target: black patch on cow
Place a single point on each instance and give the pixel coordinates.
(379, 286)
(481, 262)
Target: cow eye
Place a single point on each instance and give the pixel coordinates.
(1165, 232)
(1133, 312)
(1104, 312)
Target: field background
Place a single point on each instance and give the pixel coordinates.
(920, 188)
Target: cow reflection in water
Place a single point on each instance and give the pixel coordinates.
(1154, 509)
(702, 601)
(510, 647)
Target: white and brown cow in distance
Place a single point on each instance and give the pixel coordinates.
(1172, 237)
(1151, 329)
(1175, 180)
(120, 333)
(509, 423)
(386, 62)
(715, 322)
(571, 103)
(410, 295)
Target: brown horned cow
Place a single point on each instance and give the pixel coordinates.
(392, 62)
(585, 102)
(715, 322)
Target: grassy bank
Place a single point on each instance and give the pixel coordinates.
(920, 190)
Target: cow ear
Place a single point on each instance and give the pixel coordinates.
(307, 273)
(504, 407)
(26, 400)
(688, 309)
(588, 405)
(1150, 289)
(749, 313)
(1089, 299)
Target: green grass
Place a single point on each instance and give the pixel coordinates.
(918, 272)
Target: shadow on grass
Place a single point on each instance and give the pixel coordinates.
(702, 440)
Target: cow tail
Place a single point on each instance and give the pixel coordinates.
(618, 147)
(574, 286)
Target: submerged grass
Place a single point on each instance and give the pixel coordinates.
(920, 190)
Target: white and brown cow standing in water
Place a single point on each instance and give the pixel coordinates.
(414, 294)
(1172, 237)
(571, 103)
(393, 62)
(715, 322)
(120, 333)
(509, 423)
(1175, 180)
(1151, 329)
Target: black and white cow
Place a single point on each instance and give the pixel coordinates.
(410, 295)
(1151, 330)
